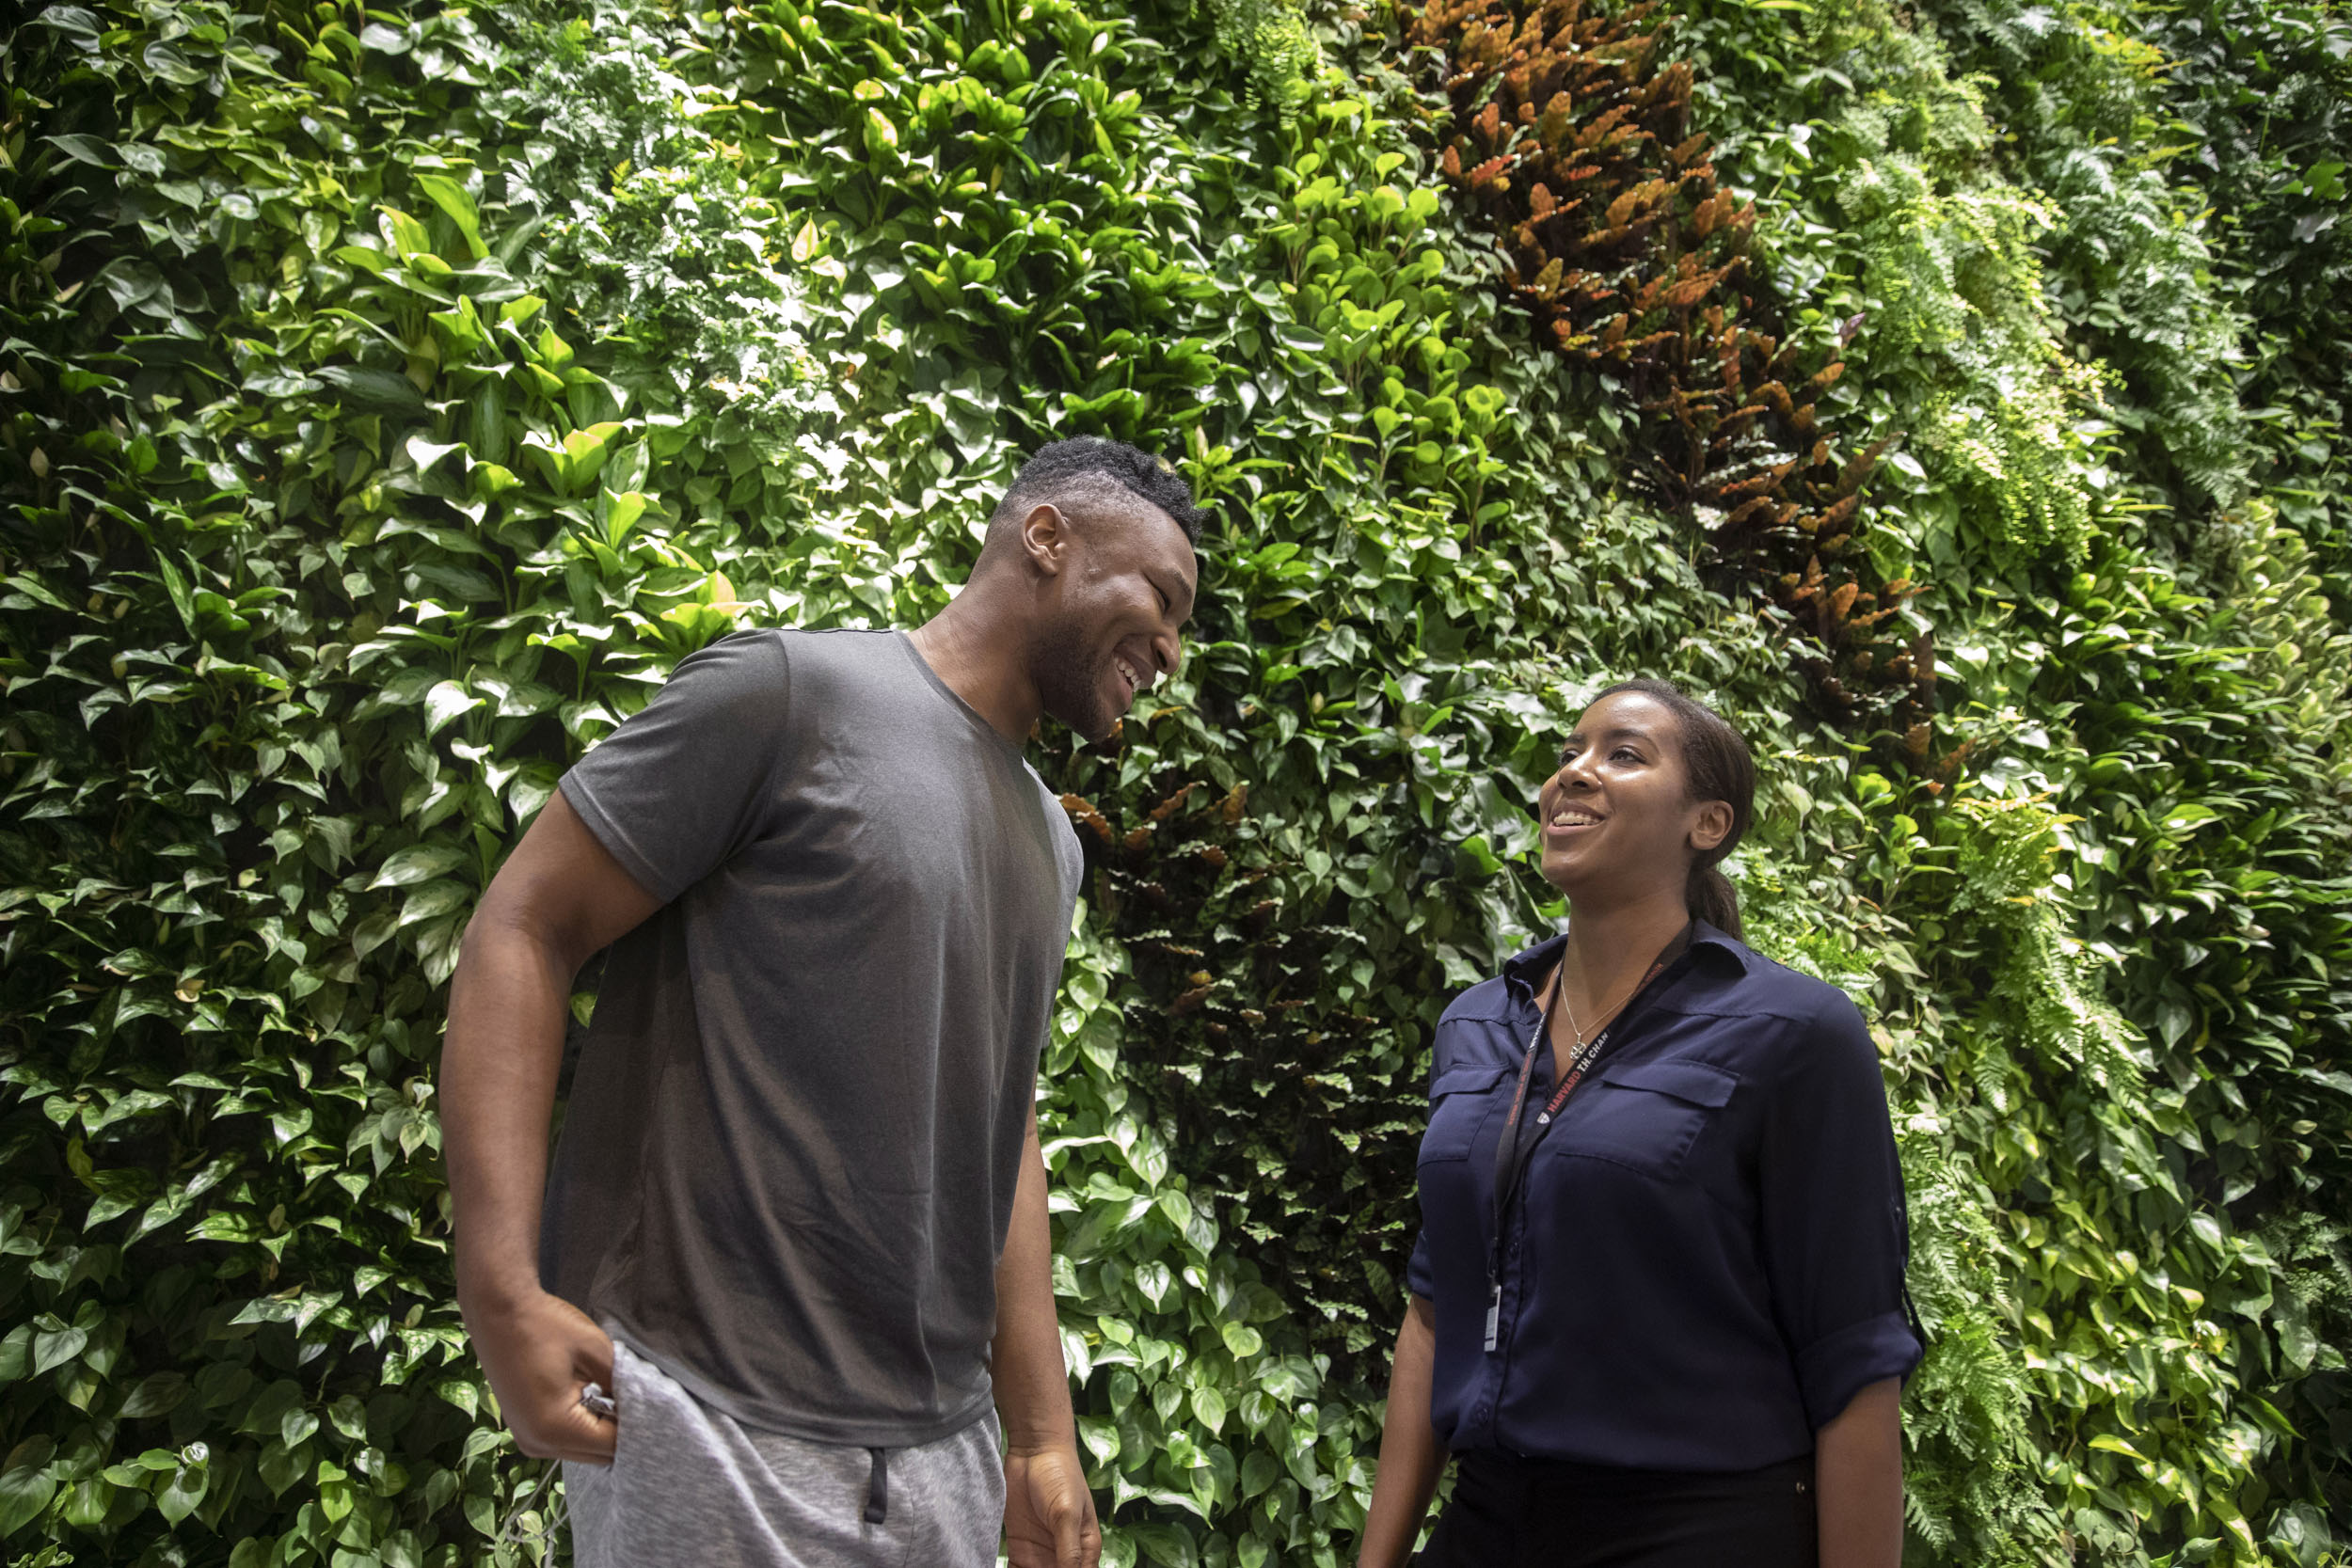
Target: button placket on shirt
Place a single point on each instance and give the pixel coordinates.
(1485, 1413)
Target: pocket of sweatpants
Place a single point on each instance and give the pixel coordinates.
(993, 1466)
(628, 1410)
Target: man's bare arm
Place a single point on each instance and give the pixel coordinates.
(560, 898)
(1048, 1513)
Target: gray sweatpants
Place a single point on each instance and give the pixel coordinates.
(689, 1484)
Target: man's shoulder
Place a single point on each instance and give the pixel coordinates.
(750, 659)
(793, 665)
(844, 644)
(843, 663)
(808, 647)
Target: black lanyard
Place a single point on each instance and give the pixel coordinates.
(1511, 1153)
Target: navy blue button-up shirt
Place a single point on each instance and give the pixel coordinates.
(1704, 1259)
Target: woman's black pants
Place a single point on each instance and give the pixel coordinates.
(1513, 1513)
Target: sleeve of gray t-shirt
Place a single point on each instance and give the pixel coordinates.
(679, 787)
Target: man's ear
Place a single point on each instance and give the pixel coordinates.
(1045, 539)
(1711, 825)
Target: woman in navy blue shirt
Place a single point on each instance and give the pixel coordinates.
(1678, 1341)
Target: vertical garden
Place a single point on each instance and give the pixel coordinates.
(1953, 394)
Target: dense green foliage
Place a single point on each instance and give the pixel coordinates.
(392, 398)
(2164, 669)
(2150, 132)
(498, 402)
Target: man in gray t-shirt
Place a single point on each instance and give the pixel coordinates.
(798, 1179)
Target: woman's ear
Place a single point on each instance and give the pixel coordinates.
(1710, 824)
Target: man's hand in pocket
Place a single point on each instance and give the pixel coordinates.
(538, 1352)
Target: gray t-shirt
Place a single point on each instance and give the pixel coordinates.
(786, 1166)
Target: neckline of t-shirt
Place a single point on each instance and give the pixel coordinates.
(1010, 748)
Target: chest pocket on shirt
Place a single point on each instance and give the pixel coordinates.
(1650, 1113)
(1459, 1104)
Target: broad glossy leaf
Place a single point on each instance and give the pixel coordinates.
(418, 863)
(1154, 1279)
(157, 1394)
(1208, 1407)
(433, 900)
(452, 199)
(24, 1494)
(367, 391)
(447, 702)
(88, 150)
(281, 1468)
(57, 1347)
(179, 1497)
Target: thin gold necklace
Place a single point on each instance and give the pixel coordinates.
(1602, 1022)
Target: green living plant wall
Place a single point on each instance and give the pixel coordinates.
(395, 395)
(2196, 155)
(2171, 675)
(2065, 786)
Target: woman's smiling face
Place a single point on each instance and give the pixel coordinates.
(1617, 815)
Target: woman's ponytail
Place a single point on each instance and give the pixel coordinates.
(1713, 898)
(1717, 766)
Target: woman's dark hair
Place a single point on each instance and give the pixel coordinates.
(1715, 766)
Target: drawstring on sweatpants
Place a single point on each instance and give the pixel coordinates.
(877, 1489)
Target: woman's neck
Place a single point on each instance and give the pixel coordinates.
(1612, 946)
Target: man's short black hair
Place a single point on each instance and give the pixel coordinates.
(1086, 461)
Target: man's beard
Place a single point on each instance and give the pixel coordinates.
(1071, 679)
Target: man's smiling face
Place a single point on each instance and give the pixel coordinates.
(1120, 603)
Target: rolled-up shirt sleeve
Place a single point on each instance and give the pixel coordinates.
(1834, 1232)
(1420, 1274)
